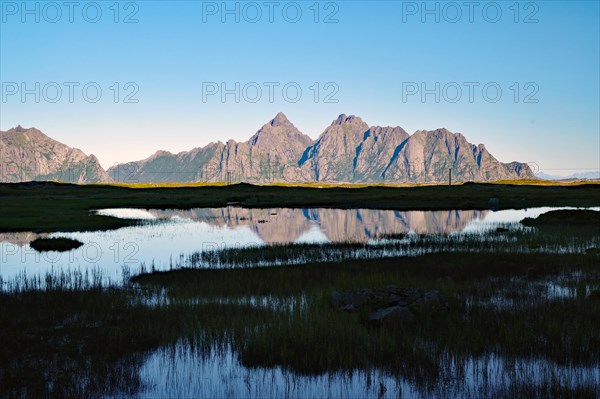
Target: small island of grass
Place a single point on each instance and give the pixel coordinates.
(580, 217)
(567, 222)
(55, 244)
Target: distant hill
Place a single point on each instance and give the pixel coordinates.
(28, 154)
(593, 175)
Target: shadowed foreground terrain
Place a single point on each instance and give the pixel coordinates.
(68, 335)
(89, 342)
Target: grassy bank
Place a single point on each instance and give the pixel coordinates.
(82, 344)
(68, 335)
(446, 272)
(50, 207)
(93, 341)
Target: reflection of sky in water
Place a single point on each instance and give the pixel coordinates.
(158, 244)
(180, 372)
(495, 218)
(313, 235)
(127, 213)
(165, 238)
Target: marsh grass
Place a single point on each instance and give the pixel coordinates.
(515, 240)
(68, 334)
(102, 334)
(55, 244)
(77, 337)
(314, 337)
(457, 275)
(58, 280)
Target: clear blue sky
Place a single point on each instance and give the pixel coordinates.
(373, 54)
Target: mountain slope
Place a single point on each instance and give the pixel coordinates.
(28, 154)
(263, 158)
(332, 156)
(427, 156)
(348, 151)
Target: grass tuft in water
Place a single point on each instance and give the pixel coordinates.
(55, 244)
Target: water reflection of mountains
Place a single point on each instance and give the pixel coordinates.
(20, 238)
(290, 225)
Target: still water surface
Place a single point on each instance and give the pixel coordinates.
(164, 238)
(182, 372)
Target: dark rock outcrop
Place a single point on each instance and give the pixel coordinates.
(392, 304)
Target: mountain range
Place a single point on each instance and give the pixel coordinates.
(348, 150)
(590, 175)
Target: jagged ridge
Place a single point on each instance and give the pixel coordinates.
(348, 150)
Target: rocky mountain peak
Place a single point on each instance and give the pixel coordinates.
(160, 153)
(20, 129)
(280, 120)
(343, 119)
(278, 134)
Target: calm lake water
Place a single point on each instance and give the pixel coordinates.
(180, 372)
(164, 238)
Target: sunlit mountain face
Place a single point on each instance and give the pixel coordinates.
(348, 151)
